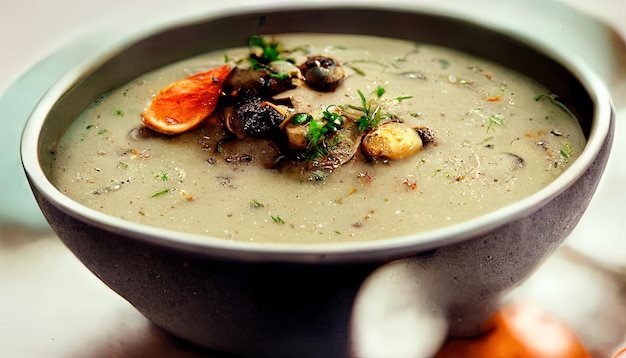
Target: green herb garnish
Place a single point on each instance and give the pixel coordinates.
(159, 193)
(402, 98)
(315, 132)
(330, 121)
(370, 118)
(566, 152)
(280, 76)
(380, 91)
(494, 120)
(334, 120)
(270, 51)
(277, 219)
(301, 118)
(555, 100)
(356, 69)
(163, 175)
(256, 204)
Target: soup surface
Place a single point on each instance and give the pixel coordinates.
(498, 137)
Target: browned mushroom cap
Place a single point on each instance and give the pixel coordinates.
(243, 79)
(392, 140)
(322, 73)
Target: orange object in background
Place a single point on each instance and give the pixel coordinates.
(521, 331)
(620, 354)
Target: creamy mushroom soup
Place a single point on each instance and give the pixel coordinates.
(486, 137)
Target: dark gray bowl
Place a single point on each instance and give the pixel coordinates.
(294, 300)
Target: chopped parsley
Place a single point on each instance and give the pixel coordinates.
(334, 120)
(494, 120)
(301, 118)
(256, 204)
(357, 70)
(555, 100)
(163, 175)
(380, 91)
(566, 151)
(402, 98)
(270, 51)
(160, 193)
(277, 219)
(318, 130)
(280, 76)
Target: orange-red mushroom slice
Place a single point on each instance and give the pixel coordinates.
(184, 104)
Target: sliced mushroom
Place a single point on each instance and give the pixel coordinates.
(285, 68)
(346, 142)
(391, 140)
(296, 132)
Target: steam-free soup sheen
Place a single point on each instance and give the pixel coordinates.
(498, 140)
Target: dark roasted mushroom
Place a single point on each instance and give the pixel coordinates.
(261, 83)
(242, 79)
(252, 116)
(426, 134)
(322, 73)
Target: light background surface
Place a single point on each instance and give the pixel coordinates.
(50, 306)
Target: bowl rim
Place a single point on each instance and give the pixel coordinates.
(335, 252)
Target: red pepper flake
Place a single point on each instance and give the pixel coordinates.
(460, 178)
(488, 75)
(536, 135)
(494, 98)
(410, 184)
